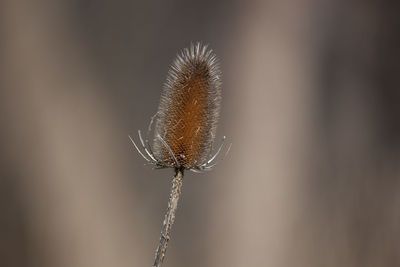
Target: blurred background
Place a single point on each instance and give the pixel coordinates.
(310, 102)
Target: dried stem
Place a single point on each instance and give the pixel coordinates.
(169, 217)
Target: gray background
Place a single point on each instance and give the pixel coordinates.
(310, 103)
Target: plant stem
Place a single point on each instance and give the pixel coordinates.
(169, 217)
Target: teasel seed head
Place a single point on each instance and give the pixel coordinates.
(187, 116)
(189, 108)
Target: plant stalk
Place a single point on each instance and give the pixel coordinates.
(169, 217)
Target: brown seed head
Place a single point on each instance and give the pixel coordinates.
(189, 108)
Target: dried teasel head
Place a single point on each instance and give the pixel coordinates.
(188, 113)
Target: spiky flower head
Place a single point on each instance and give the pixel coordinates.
(189, 108)
(187, 117)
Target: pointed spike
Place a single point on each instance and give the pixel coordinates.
(169, 150)
(219, 150)
(144, 147)
(140, 152)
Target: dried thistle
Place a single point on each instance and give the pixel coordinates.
(186, 123)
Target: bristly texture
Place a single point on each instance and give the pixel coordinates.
(189, 108)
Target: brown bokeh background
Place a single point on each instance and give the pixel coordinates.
(310, 102)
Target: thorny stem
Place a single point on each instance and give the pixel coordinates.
(169, 217)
